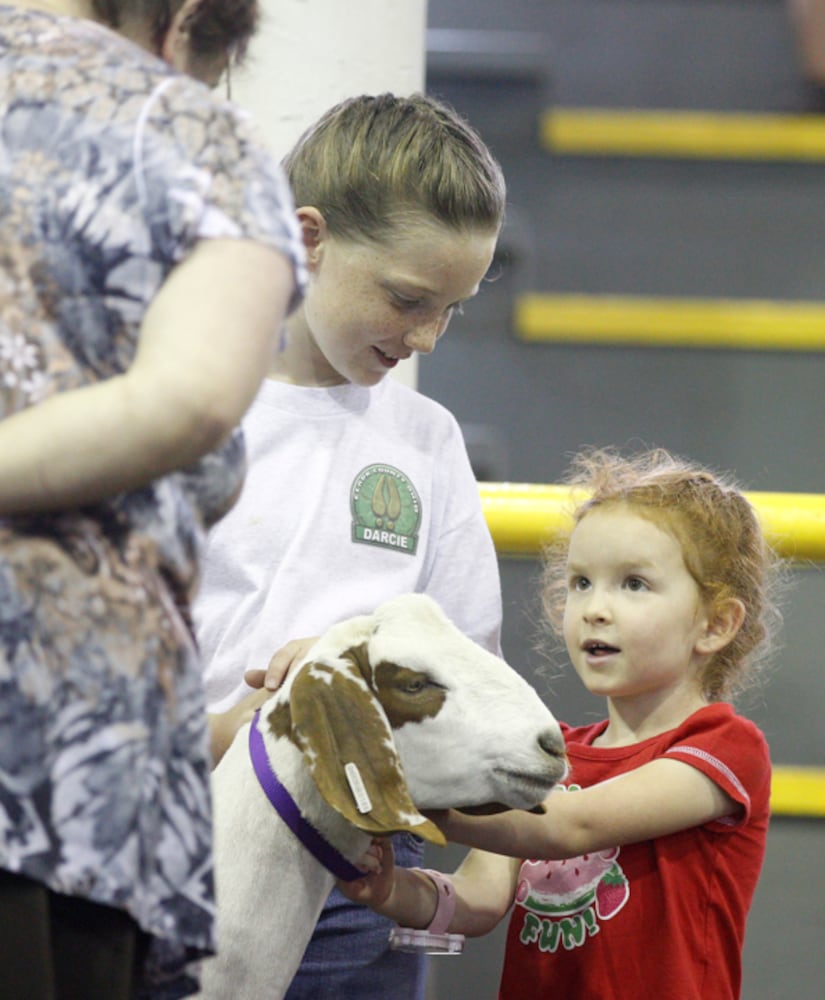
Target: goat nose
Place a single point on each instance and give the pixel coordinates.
(552, 743)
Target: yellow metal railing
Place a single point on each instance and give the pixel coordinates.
(683, 134)
(798, 791)
(523, 517)
(622, 320)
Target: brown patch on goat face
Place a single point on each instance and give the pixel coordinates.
(407, 695)
(280, 720)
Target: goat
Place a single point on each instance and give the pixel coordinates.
(426, 716)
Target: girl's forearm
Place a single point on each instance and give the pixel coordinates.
(412, 901)
(483, 887)
(515, 834)
(654, 800)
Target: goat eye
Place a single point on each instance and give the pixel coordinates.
(415, 685)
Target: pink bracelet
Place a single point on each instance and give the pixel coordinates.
(446, 901)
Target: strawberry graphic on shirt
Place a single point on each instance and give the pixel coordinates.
(612, 893)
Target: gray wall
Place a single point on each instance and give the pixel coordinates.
(652, 228)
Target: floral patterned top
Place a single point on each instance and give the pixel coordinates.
(111, 168)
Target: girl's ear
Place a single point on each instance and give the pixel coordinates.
(724, 621)
(314, 229)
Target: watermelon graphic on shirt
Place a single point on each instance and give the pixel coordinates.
(558, 888)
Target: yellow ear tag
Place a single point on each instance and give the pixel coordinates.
(356, 786)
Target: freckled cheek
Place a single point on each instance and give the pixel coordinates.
(383, 324)
(336, 320)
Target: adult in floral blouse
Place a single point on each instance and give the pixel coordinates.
(149, 256)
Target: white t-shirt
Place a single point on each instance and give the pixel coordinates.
(353, 495)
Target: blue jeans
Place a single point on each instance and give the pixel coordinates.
(349, 954)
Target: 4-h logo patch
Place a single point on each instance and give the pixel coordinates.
(386, 509)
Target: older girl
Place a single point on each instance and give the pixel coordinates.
(400, 204)
(638, 877)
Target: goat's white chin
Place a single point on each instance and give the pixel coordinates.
(508, 790)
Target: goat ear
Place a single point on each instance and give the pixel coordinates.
(337, 721)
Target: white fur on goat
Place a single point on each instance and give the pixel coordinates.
(427, 716)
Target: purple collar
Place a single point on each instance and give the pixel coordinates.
(286, 808)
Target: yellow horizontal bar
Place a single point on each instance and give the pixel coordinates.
(678, 134)
(798, 791)
(523, 517)
(750, 324)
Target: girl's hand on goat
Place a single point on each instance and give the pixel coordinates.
(373, 858)
(408, 896)
(222, 727)
(379, 877)
(283, 660)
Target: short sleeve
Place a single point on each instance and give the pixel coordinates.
(202, 173)
(732, 752)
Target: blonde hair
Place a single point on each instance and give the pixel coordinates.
(722, 545)
(371, 161)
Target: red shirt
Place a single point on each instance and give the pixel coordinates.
(661, 919)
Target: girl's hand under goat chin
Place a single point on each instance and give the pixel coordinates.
(378, 863)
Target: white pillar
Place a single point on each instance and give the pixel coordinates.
(310, 54)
